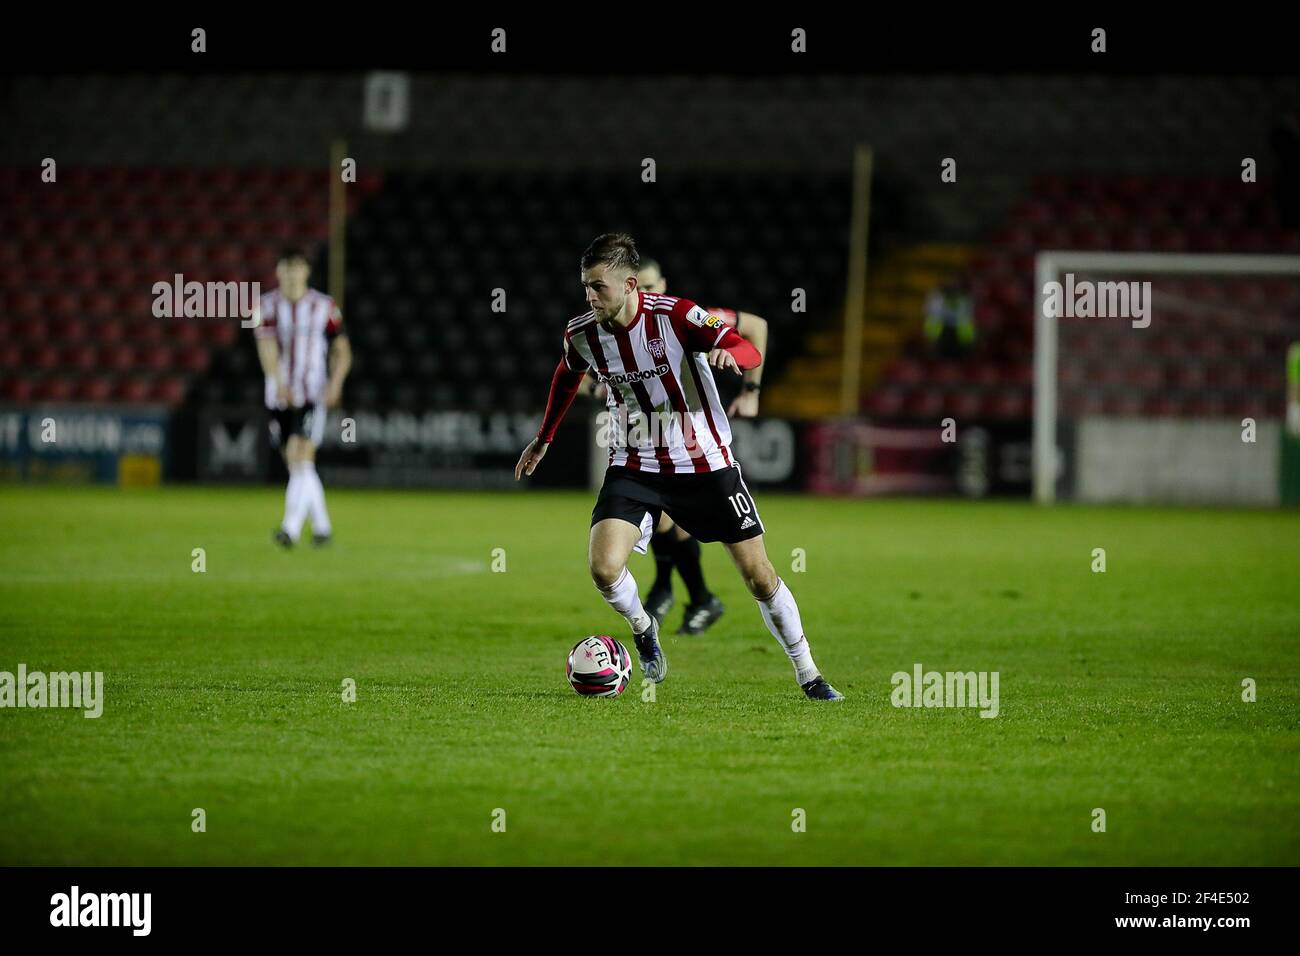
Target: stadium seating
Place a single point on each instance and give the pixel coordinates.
(1204, 373)
(79, 259)
(427, 251)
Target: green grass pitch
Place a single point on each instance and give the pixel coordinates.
(1119, 690)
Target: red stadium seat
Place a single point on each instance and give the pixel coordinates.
(26, 303)
(280, 230)
(115, 255)
(56, 388)
(99, 303)
(80, 358)
(1121, 403)
(186, 332)
(70, 330)
(966, 404)
(189, 255)
(1206, 406)
(946, 373)
(1050, 187)
(11, 356)
(927, 403)
(44, 356)
(236, 205)
(33, 331)
(1169, 239)
(1161, 406)
(194, 359)
(1018, 373)
(1089, 237)
(133, 389)
(1010, 404)
(118, 358)
(96, 388)
(223, 182)
(907, 372)
(148, 330)
(221, 331)
(16, 388)
(1144, 375)
(108, 330)
(155, 358)
(169, 390)
(987, 374)
(1086, 403)
(83, 277)
(227, 256)
(885, 403)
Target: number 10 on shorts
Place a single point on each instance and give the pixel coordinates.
(739, 504)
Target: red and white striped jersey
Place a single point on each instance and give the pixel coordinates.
(657, 368)
(303, 330)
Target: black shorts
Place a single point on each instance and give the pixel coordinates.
(713, 506)
(307, 421)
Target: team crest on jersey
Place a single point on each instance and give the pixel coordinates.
(657, 349)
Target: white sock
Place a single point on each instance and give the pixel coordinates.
(290, 496)
(296, 501)
(622, 597)
(781, 615)
(320, 518)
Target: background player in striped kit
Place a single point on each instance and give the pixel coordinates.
(305, 357)
(649, 350)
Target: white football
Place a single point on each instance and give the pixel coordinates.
(599, 666)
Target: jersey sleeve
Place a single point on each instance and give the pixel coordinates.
(334, 324)
(729, 316)
(697, 328)
(565, 383)
(573, 359)
(265, 327)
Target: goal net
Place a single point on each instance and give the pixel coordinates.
(1161, 377)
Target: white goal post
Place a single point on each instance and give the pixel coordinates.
(1050, 264)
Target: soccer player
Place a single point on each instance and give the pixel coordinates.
(671, 545)
(657, 353)
(305, 357)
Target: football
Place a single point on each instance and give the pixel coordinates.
(599, 666)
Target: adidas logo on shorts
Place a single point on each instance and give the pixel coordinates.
(747, 523)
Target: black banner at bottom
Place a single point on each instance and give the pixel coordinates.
(547, 906)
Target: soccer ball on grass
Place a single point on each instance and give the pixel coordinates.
(599, 666)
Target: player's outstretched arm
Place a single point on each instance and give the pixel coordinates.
(565, 384)
(706, 333)
(735, 353)
(531, 457)
(756, 332)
